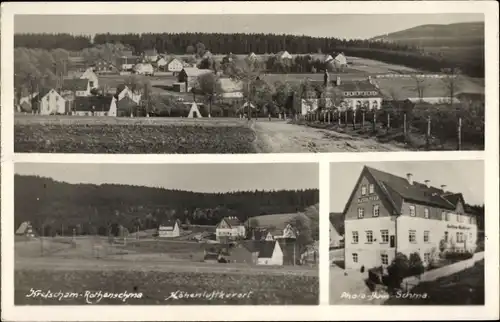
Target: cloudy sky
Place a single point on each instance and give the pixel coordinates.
(466, 177)
(190, 177)
(319, 25)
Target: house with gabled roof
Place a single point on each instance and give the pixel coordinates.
(25, 229)
(336, 230)
(93, 106)
(49, 102)
(284, 55)
(169, 229)
(91, 77)
(270, 253)
(175, 65)
(387, 214)
(76, 87)
(230, 228)
(358, 94)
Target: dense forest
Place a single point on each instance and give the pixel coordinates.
(91, 208)
(218, 43)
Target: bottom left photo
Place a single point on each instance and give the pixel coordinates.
(166, 234)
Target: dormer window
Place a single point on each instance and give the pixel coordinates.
(363, 190)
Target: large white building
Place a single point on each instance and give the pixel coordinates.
(387, 214)
(231, 228)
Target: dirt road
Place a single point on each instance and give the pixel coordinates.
(281, 137)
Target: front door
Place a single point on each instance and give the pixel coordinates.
(393, 241)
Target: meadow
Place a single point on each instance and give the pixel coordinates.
(69, 134)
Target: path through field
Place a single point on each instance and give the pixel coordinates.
(282, 137)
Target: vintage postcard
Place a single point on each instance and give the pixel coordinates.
(191, 161)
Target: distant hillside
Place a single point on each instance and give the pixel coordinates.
(452, 35)
(43, 200)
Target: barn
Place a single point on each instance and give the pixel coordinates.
(270, 253)
(169, 229)
(189, 76)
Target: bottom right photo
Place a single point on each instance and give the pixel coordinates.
(407, 233)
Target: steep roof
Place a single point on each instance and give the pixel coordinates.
(150, 52)
(126, 103)
(337, 220)
(228, 85)
(357, 86)
(232, 221)
(266, 249)
(398, 189)
(253, 246)
(23, 228)
(79, 84)
(44, 91)
(170, 223)
(100, 103)
(194, 72)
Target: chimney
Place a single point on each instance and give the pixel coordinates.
(428, 183)
(409, 177)
(338, 81)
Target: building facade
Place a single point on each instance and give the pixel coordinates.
(387, 214)
(169, 229)
(231, 228)
(359, 94)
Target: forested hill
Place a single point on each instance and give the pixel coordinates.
(43, 200)
(451, 35)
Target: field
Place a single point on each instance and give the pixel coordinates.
(154, 268)
(131, 135)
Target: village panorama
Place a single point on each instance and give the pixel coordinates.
(82, 237)
(413, 89)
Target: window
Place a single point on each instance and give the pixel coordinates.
(363, 190)
(361, 212)
(91, 83)
(375, 104)
(447, 216)
(412, 211)
(412, 236)
(369, 236)
(426, 213)
(358, 104)
(459, 237)
(384, 234)
(446, 236)
(355, 237)
(371, 188)
(426, 236)
(470, 237)
(376, 210)
(427, 257)
(385, 259)
(355, 257)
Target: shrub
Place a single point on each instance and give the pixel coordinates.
(398, 270)
(416, 264)
(375, 275)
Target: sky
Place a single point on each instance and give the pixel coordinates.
(188, 177)
(348, 26)
(466, 177)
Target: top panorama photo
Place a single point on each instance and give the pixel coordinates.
(170, 84)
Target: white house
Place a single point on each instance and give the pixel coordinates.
(175, 65)
(169, 229)
(359, 94)
(143, 69)
(92, 77)
(340, 60)
(328, 58)
(125, 91)
(230, 227)
(25, 103)
(270, 253)
(284, 55)
(50, 102)
(150, 55)
(25, 229)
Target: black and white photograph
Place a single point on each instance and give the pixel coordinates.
(166, 234)
(407, 233)
(247, 83)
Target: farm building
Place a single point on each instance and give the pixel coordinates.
(123, 91)
(127, 63)
(93, 106)
(169, 229)
(49, 102)
(284, 55)
(231, 88)
(270, 253)
(387, 214)
(25, 229)
(125, 106)
(194, 112)
(358, 94)
(174, 65)
(144, 69)
(189, 76)
(92, 78)
(230, 228)
(160, 64)
(336, 230)
(340, 60)
(245, 252)
(76, 87)
(279, 226)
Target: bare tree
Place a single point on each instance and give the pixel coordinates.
(452, 82)
(209, 85)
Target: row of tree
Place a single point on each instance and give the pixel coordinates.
(46, 202)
